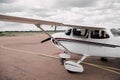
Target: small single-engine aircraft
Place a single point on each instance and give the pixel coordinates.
(84, 40)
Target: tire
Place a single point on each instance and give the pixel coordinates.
(62, 60)
(72, 72)
(104, 59)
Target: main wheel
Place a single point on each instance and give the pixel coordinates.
(71, 71)
(73, 67)
(103, 59)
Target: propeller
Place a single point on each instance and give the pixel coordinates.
(47, 39)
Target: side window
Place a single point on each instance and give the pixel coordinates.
(76, 32)
(98, 34)
(68, 32)
(80, 33)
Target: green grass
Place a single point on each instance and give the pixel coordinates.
(2, 34)
(24, 33)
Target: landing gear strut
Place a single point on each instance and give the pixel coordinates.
(63, 57)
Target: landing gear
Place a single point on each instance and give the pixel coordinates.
(71, 71)
(103, 59)
(62, 60)
(75, 67)
(63, 57)
(70, 66)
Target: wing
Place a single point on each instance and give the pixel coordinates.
(41, 22)
(27, 20)
(33, 21)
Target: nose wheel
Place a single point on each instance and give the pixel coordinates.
(63, 57)
(62, 60)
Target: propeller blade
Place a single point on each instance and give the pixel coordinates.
(46, 40)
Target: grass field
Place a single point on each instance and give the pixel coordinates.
(24, 33)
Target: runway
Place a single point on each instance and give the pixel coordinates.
(25, 58)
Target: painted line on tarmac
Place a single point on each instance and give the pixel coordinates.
(28, 52)
(1, 45)
(110, 69)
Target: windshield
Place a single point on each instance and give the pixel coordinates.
(115, 31)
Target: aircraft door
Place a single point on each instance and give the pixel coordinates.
(95, 48)
(80, 44)
(96, 42)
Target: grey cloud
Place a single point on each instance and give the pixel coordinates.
(87, 12)
(10, 8)
(76, 3)
(41, 12)
(7, 1)
(109, 4)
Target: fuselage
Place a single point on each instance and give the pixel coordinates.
(91, 42)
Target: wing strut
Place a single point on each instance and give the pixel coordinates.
(66, 50)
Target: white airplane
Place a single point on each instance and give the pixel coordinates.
(84, 40)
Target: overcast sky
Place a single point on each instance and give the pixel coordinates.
(82, 12)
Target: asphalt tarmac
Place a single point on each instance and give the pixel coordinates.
(25, 58)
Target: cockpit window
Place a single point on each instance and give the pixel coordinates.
(115, 32)
(80, 32)
(68, 32)
(99, 34)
